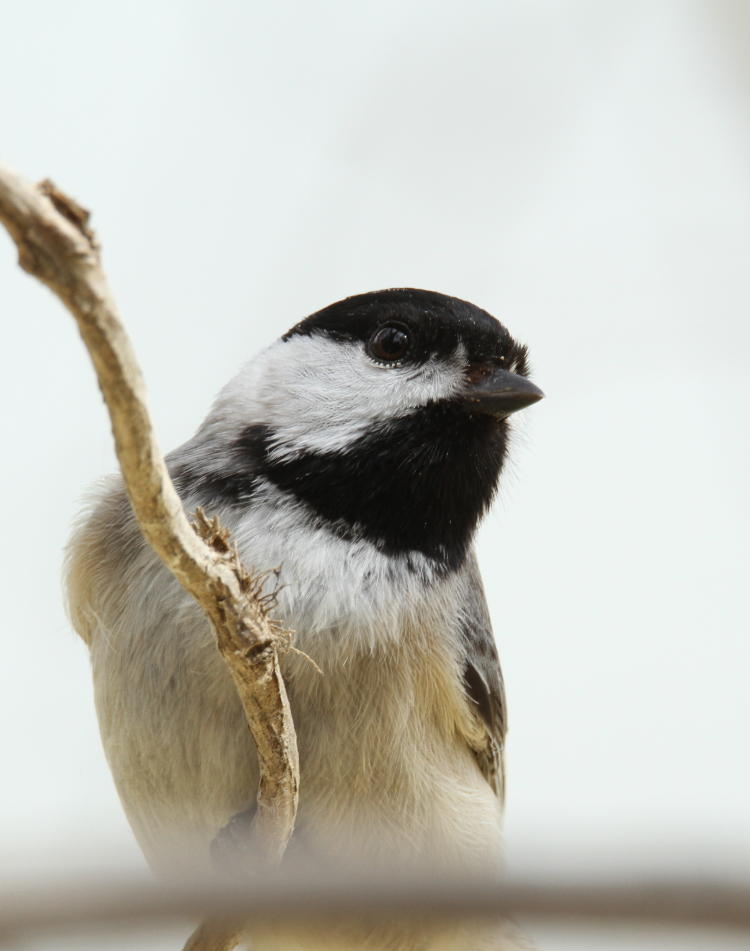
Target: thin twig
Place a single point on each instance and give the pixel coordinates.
(57, 246)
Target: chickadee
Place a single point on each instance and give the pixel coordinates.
(358, 452)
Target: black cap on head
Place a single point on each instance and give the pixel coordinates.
(437, 324)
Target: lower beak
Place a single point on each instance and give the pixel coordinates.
(500, 393)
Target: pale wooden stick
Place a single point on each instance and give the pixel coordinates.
(57, 246)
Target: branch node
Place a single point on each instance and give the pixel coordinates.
(70, 210)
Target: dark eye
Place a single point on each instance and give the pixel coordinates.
(389, 343)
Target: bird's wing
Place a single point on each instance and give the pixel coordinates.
(482, 677)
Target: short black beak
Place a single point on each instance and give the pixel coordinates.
(500, 393)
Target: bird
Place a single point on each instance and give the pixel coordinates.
(358, 453)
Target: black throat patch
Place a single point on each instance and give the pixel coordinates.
(419, 483)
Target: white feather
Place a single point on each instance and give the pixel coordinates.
(317, 394)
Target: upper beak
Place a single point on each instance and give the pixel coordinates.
(499, 392)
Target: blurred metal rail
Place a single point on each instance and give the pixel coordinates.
(86, 903)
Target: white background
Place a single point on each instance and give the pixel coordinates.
(580, 170)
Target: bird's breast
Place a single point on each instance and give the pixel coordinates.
(331, 581)
(385, 767)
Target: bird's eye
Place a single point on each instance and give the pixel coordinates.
(389, 343)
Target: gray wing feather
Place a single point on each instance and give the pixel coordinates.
(483, 679)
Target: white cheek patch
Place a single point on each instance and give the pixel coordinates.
(318, 394)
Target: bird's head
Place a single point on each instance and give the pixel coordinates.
(385, 414)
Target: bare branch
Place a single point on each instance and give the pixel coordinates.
(57, 246)
(297, 899)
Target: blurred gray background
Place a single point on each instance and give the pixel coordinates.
(581, 170)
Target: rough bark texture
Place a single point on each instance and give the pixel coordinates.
(57, 246)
